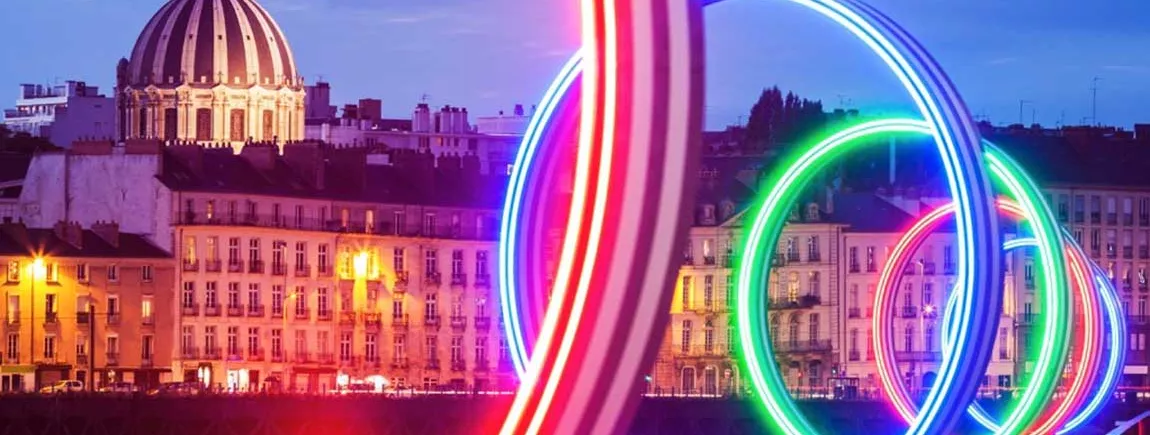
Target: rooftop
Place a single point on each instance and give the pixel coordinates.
(69, 241)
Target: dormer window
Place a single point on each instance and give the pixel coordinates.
(812, 212)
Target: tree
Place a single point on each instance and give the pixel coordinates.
(778, 119)
(23, 143)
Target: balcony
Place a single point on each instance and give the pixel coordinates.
(483, 280)
(278, 357)
(279, 269)
(190, 353)
(1095, 217)
(793, 257)
(806, 301)
(458, 322)
(113, 359)
(481, 365)
(325, 270)
(372, 361)
(1128, 252)
(302, 271)
(909, 269)
(708, 260)
(918, 356)
(277, 312)
(701, 350)
(853, 268)
(213, 266)
(213, 353)
(51, 319)
(909, 312)
(255, 310)
(505, 365)
(483, 323)
(431, 364)
(191, 265)
(113, 319)
(803, 346)
(779, 260)
(854, 356)
(432, 278)
(255, 354)
(302, 357)
(212, 310)
(431, 321)
(302, 313)
(814, 257)
(148, 320)
(399, 322)
(459, 280)
(1133, 319)
(373, 321)
(235, 266)
(1079, 217)
(1111, 219)
(347, 318)
(82, 360)
(929, 268)
(256, 266)
(854, 313)
(948, 269)
(727, 260)
(1127, 219)
(399, 362)
(326, 358)
(688, 260)
(235, 310)
(82, 318)
(12, 358)
(871, 268)
(324, 315)
(14, 319)
(458, 366)
(401, 279)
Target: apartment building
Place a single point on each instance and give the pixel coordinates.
(88, 304)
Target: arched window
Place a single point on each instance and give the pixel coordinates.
(688, 381)
(269, 125)
(710, 381)
(794, 332)
(237, 126)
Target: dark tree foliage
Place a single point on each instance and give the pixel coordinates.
(779, 120)
(22, 143)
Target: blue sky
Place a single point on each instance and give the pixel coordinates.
(488, 55)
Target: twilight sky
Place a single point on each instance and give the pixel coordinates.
(487, 55)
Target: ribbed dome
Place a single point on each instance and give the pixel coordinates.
(207, 42)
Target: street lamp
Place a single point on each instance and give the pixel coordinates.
(38, 272)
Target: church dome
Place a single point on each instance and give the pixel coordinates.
(205, 43)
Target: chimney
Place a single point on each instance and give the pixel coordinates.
(108, 231)
(259, 155)
(14, 230)
(69, 232)
(307, 159)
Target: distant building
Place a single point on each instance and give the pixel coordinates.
(53, 280)
(514, 124)
(63, 113)
(317, 102)
(443, 133)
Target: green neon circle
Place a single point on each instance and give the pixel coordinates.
(767, 226)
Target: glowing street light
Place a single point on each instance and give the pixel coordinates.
(39, 269)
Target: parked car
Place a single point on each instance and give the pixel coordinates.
(119, 387)
(68, 386)
(176, 389)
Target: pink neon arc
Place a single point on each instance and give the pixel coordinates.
(1089, 354)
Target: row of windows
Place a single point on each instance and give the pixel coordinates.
(1115, 207)
(49, 346)
(322, 297)
(111, 307)
(346, 258)
(51, 273)
(252, 345)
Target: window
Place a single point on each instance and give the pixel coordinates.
(13, 345)
(813, 327)
(685, 344)
(187, 340)
(211, 299)
(52, 273)
(234, 251)
(813, 282)
(686, 296)
(278, 247)
(13, 271)
(277, 343)
(234, 294)
(277, 300)
(301, 256)
(113, 273)
(254, 250)
(853, 258)
(113, 345)
(870, 262)
(50, 347)
(254, 297)
(82, 272)
(370, 347)
(321, 254)
(481, 263)
(813, 248)
(253, 341)
(908, 343)
(113, 305)
(400, 222)
(203, 125)
(322, 301)
(709, 292)
(147, 309)
(457, 262)
(430, 306)
(300, 296)
(431, 344)
(233, 341)
(212, 245)
(481, 350)
(429, 224)
(397, 259)
(345, 346)
(430, 262)
(456, 349)
(237, 125)
(301, 344)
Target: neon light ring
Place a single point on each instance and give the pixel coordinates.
(642, 84)
(1089, 339)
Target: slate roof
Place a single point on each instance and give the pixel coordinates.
(43, 242)
(868, 213)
